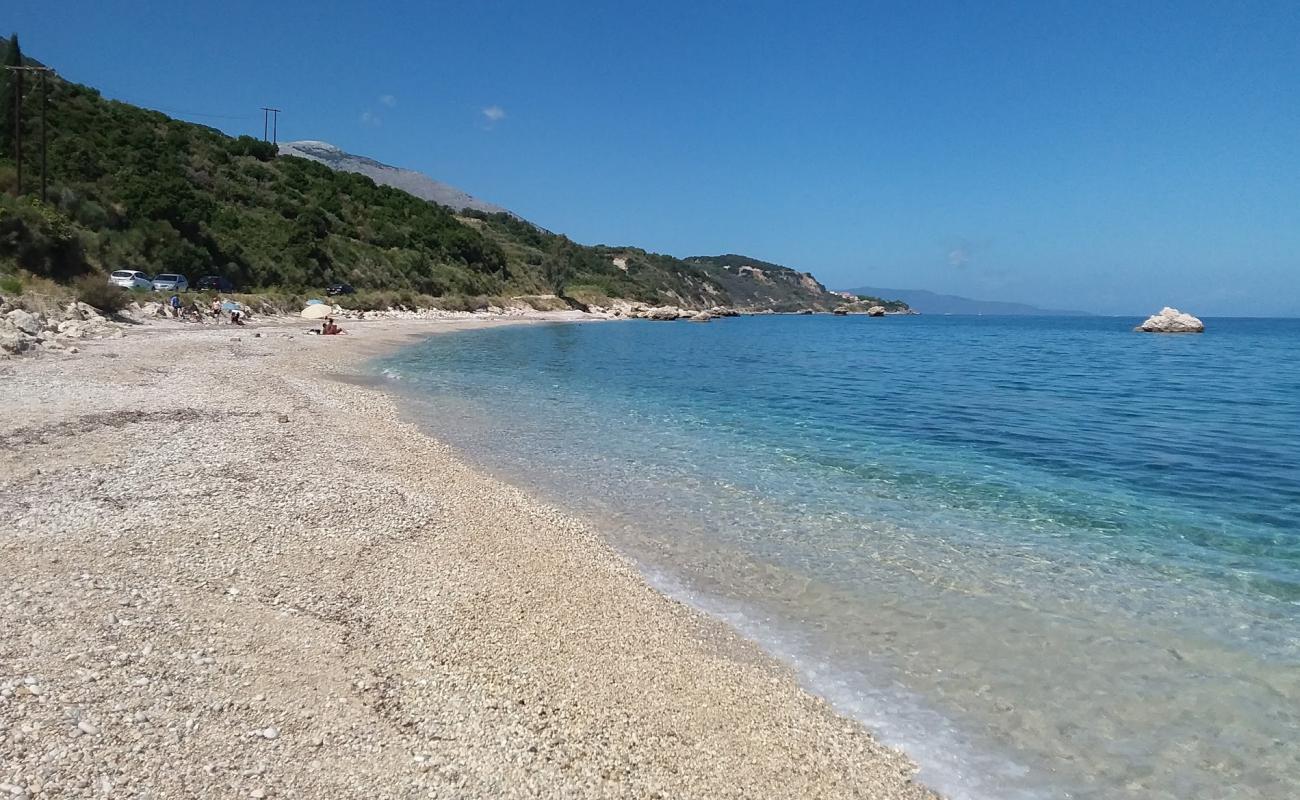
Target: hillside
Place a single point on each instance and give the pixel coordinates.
(764, 284)
(926, 302)
(133, 188)
(408, 180)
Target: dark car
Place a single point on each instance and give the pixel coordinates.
(340, 288)
(214, 283)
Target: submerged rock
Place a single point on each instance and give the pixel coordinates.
(1171, 320)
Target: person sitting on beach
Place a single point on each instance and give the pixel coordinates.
(175, 303)
(329, 328)
(237, 316)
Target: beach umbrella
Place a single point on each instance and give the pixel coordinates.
(314, 302)
(317, 311)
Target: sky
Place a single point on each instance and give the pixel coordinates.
(1109, 157)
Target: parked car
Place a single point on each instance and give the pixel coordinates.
(130, 279)
(170, 282)
(214, 283)
(340, 288)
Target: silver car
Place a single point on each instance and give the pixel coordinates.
(130, 279)
(170, 282)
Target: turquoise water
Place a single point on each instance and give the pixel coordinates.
(1048, 557)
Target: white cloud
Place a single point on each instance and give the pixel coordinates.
(494, 114)
(370, 120)
(959, 256)
(388, 100)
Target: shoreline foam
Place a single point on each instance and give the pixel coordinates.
(235, 576)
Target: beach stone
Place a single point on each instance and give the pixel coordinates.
(271, 732)
(1171, 320)
(25, 321)
(87, 727)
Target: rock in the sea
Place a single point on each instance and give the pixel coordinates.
(1171, 320)
(703, 316)
(876, 311)
(841, 311)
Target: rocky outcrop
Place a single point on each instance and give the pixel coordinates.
(859, 308)
(1171, 320)
(702, 316)
(664, 313)
(23, 331)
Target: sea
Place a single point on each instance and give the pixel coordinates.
(1047, 557)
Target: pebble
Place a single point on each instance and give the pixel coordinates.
(88, 728)
(271, 732)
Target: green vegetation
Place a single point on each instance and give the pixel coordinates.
(93, 290)
(132, 188)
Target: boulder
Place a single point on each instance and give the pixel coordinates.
(840, 311)
(25, 321)
(664, 313)
(14, 341)
(1171, 320)
(876, 311)
(805, 311)
(703, 316)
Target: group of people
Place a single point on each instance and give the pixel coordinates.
(193, 313)
(329, 328)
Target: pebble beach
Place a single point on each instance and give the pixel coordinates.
(231, 569)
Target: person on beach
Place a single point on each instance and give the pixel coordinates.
(175, 302)
(329, 328)
(237, 316)
(216, 307)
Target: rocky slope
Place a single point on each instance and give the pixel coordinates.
(408, 180)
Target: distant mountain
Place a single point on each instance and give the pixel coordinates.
(408, 180)
(926, 302)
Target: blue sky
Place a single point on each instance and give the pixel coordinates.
(1110, 157)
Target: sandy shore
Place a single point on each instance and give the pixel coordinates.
(227, 575)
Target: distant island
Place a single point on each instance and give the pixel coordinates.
(927, 302)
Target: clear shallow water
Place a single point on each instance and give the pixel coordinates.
(1048, 557)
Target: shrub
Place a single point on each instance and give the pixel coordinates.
(93, 290)
(11, 284)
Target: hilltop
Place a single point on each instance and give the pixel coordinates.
(134, 188)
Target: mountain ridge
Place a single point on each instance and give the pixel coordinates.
(924, 301)
(408, 180)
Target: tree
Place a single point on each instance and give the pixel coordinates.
(12, 57)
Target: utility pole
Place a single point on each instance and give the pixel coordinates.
(271, 115)
(45, 104)
(18, 123)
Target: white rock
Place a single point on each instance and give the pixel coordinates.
(270, 732)
(87, 727)
(1171, 320)
(25, 321)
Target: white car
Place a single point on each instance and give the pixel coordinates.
(130, 279)
(170, 282)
